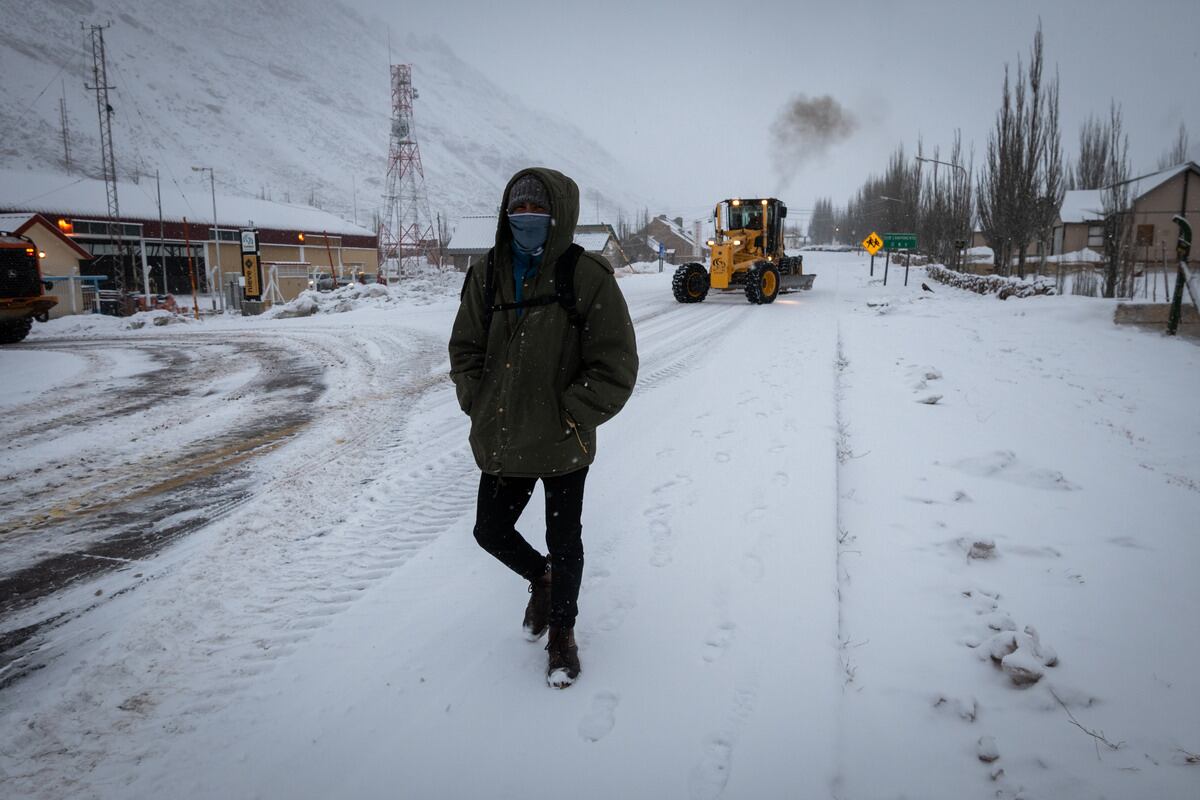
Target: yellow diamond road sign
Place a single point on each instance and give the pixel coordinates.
(872, 243)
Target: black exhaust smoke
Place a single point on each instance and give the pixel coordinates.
(805, 129)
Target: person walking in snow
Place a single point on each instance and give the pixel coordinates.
(542, 353)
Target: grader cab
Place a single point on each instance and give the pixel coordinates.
(747, 254)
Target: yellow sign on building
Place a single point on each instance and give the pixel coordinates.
(872, 244)
(253, 277)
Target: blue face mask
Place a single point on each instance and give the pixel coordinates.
(529, 231)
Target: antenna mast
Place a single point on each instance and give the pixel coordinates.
(406, 230)
(108, 162)
(66, 131)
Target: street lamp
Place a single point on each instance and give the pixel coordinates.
(966, 240)
(212, 182)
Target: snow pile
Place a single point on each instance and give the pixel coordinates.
(101, 325)
(644, 268)
(346, 298)
(998, 285)
(1084, 256)
(156, 318)
(980, 255)
(426, 285)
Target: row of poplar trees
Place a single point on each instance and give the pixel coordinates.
(1020, 186)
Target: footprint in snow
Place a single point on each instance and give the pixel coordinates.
(721, 457)
(1004, 465)
(709, 777)
(718, 641)
(600, 720)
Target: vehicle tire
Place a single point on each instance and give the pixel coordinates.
(762, 283)
(690, 283)
(14, 330)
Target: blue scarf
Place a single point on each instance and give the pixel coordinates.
(528, 245)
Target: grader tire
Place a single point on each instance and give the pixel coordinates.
(15, 330)
(690, 283)
(762, 283)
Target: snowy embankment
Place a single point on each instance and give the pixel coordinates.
(1002, 286)
(805, 535)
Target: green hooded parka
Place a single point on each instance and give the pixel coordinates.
(543, 386)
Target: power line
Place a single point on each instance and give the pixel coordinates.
(42, 92)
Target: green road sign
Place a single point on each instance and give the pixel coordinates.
(899, 241)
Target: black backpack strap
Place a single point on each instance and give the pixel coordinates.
(564, 284)
(564, 290)
(489, 294)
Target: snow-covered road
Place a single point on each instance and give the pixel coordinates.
(780, 599)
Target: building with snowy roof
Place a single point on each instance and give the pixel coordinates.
(475, 235)
(600, 239)
(60, 257)
(472, 238)
(668, 236)
(1156, 199)
(295, 240)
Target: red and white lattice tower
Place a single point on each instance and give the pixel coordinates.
(406, 229)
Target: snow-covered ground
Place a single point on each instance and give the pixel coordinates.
(807, 535)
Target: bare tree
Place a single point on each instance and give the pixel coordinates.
(1117, 205)
(1013, 196)
(1092, 164)
(821, 225)
(1177, 153)
(1050, 175)
(945, 215)
(997, 184)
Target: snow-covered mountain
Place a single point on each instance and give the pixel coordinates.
(287, 99)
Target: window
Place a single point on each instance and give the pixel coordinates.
(1095, 236)
(229, 236)
(96, 228)
(1145, 235)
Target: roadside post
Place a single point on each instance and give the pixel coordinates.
(251, 272)
(872, 244)
(187, 243)
(661, 252)
(898, 241)
(1183, 249)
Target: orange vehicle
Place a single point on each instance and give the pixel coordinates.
(22, 290)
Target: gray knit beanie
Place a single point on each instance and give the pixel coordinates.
(528, 189)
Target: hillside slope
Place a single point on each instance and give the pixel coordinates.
(291, 100)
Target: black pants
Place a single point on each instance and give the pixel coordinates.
(501, 501)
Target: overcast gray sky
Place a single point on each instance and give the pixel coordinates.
(685, 93)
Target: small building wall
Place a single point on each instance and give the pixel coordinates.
(1154, 212)
(61, 261)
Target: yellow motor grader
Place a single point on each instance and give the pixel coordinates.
(747, 254)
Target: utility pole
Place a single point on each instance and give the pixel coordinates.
(66, 132)
(966, 186)
(108, 162)
(212, 182)
(162, 244)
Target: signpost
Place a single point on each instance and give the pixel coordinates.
(251, 267)
(872, 245)
(897, 241)
(900, 241)
(662, 249)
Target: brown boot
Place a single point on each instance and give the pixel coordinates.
(537, 612)
(563, 666)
